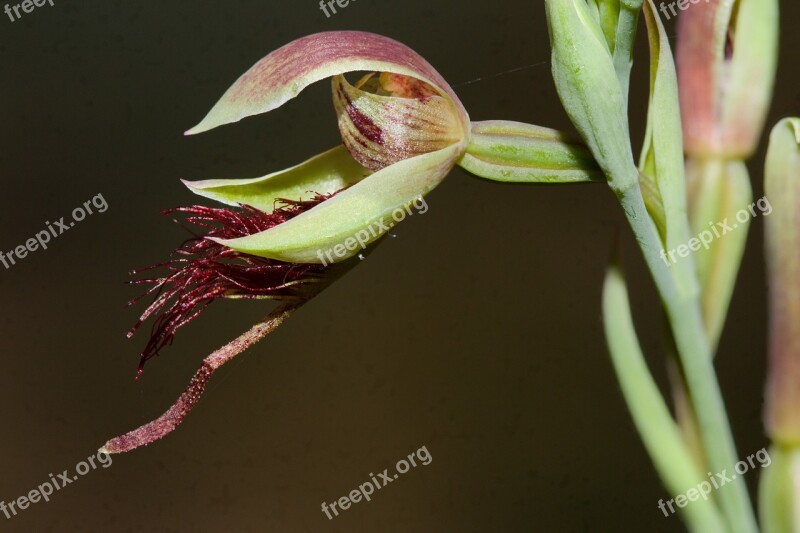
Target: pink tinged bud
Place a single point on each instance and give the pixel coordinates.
(782, 186)
(726, 56)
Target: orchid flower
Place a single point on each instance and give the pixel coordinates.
(286, 235)
(403, 130)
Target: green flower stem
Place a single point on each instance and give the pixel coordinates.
(586, 79)
(683, 310)
(650, 414)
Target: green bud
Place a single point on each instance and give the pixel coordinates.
(782, 186)
(586, 80)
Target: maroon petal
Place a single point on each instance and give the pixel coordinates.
(202, 270)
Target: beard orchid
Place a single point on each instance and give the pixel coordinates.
(403, 129)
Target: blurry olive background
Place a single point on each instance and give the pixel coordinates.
(476, 332)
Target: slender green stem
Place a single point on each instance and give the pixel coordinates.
(683, 310)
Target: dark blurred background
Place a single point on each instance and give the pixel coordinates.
(476, 332)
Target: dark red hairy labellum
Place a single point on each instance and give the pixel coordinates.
(201, 270)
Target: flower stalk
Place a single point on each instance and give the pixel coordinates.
(515, 152)
(581, 64)
(726, 57)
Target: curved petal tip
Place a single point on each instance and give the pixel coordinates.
(284, 73)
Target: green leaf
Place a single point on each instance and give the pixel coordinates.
(608, 13)
(662, 153)
(624, 41)
(649, 411)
